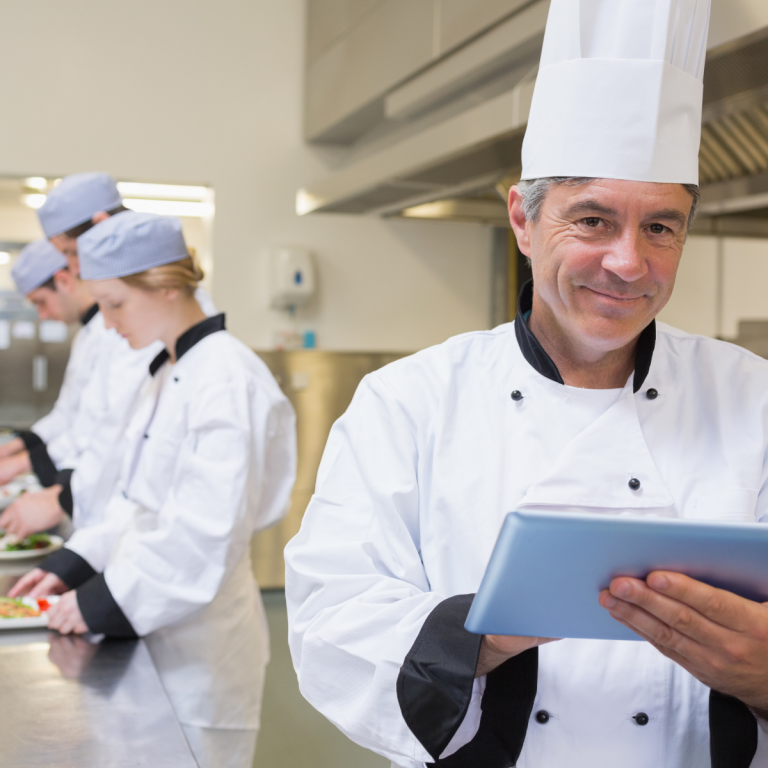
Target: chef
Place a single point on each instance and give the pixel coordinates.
(84, 482)
(584, 403)
(211, 459)
(40, 273)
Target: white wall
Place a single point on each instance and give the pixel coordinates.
(743, 295)
(189, 91)
(693, 306)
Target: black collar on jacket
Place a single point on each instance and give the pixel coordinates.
(90, 313)
(538, 358)
(188, 339)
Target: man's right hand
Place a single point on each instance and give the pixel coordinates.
(16, 445)
(12, 466)
(496, 649)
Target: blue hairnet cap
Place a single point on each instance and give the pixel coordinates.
(37, 263)
(128, 243)
(75, 200)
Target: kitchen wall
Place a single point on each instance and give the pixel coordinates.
(189, 91)
(697, 306)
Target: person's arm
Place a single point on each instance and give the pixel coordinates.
(35, 459)
(376, 650)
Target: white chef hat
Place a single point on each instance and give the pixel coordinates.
(619, 91)
(37, 263)
(128, 243)
(75, 200)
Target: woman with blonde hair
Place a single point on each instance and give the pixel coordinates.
(211, 460)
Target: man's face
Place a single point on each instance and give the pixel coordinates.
(67, 245)
(604, 256)
(48, 304)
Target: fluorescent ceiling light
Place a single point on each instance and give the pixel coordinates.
(163, 191)
(33, 201)
(36, 182)
(5, 257)
(169, 207)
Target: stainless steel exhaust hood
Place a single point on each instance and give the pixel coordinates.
(447, 142)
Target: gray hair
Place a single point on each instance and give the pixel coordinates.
(534, 191)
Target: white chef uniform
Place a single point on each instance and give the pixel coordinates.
(437, 448)
(54, 428)
(412, 491)
(98, 440)
(49, 440)
(211, 459)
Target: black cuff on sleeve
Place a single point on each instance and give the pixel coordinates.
(510, 691)
(434, 686)
(100, 611)
(42, 464)
(64, 479)
(72, 569)
(30, 439)
(732, 732)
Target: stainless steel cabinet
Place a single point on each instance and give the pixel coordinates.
(462, 19)
(386, 45)
(328, 20)
(31, 369)
(320, 385)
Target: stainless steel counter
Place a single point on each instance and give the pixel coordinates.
(67, 701)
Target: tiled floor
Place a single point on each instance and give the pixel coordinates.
(293, 734)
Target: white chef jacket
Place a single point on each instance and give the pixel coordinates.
(413, 488)
(211, 459)
(98, 437)
(55, 428)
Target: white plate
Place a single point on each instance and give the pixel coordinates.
(34, 622)
(28, 554)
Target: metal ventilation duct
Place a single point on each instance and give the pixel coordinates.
(457, 162)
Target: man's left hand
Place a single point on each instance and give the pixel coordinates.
(719, 637)
(65, 616)
(33, 512)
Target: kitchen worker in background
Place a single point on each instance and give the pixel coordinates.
(87, 478)
(583, 403)
(211, 459)
(40, 273)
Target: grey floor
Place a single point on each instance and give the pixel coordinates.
(293, 734)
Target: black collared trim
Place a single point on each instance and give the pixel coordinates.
(434, 690)
(198, 332)
(732, 732)
(158, 362)
(64, 479)
(188, 339)
(540, 361)
(90, 313)
(101, 612)
(42, 464)
(72, 569)
(532, 350)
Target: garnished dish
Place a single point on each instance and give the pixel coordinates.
(34, 546)
(25, 612)
(18, 609)
(9, 543)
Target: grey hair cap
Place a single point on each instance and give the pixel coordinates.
(77, 199)
(128, 243)
(37, 263)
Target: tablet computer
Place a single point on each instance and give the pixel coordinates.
(548, 568)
